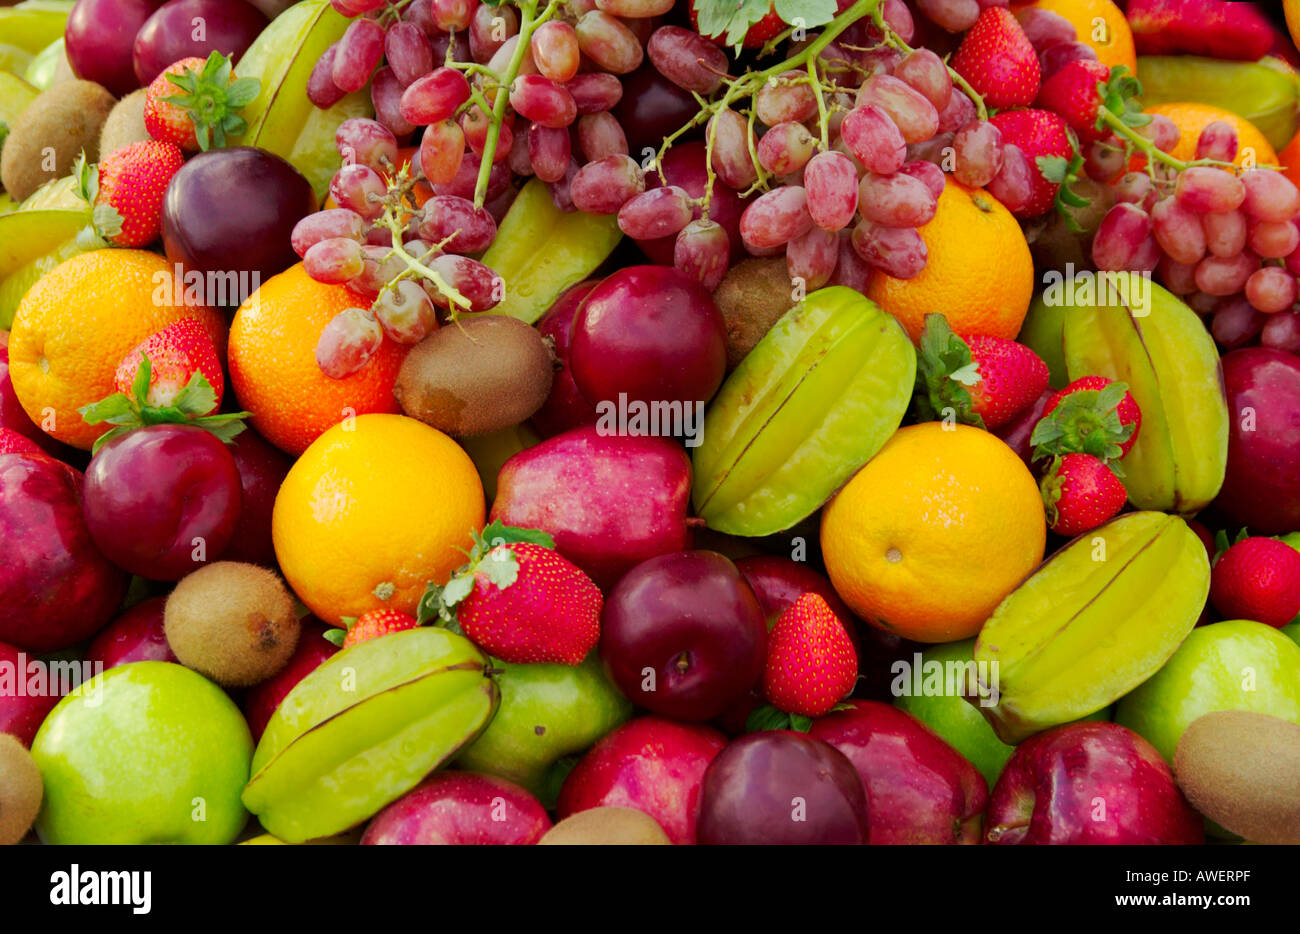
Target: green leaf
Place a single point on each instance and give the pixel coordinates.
(967, 375)
(226, 427)
(799, 723)
(500, 566)
(110, 407)
(197, 397)
(243, 92)
(730, 18)
(498, 533)
(1054, 168)
(766, 717)
(335, 636)
(457, 589)
(107, 221)
(805, 13)
(945, 368)
(430, 606)
(143, 377)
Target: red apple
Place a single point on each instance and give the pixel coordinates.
(57, 588)
(1089, 783)
(21, 712)
(460, 808)
(919, 789)
(135, 636)
(261, 471)
(565, 407)
(261, 699)
(650, 764)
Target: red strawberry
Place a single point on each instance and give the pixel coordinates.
(1037, 133)
(986, 381)
(1088, 426)
(1259, 579)
(1080, 493)
(132, 183)
(811, 665)
(1072, 93)
(373, 624)
(522, 602)
(175, 354)
(998, 60)
(194, 103)
(758, 33)
(11, 442)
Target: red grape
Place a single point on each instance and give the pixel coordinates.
(554, 46)
(348, 342)
(604, 186)
(352, 187)
(1236, 323)
(479, 285)
(1205, 189)
(1225, 233)
(435, 97)
(1178, 231)
(787, 97)
(952, 15)
(1119, 237)
(595, 92)
(599, 135)
(549, 152)
(874, 139)
(916, 117)
(775, 218)
(386, 96)
(1271, 289)
(469, 228)
(731, 160)
(785, 148)
(442, 150)
(659, 212)
(978, 153)
(1282, 332)
(831, 183)
(1274, 240)
(702, 251)
(609, 43)
(812, 256)
(895, 200)
(1269, 195)
(687, 59)
(406, 312)
(1219, 275)
(321, 89)
(542, 101)
(323, 225)
(924, 71)
(358, 54)
(1217, 141)
(896, 251)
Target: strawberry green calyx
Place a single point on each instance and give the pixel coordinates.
(1222, 543)
(128, 413)
(945, 372)
(766, 717)
(213, 101)
(337, 634)
(499, 564)
(1086, 422)
(105, 221)
(1050, 486)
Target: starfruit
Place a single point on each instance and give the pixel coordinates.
(1093, 622)
(1266, 92)
(281, 119)
(26, 30)
(364, 728)
(814, 400)
(36, 237)
(540, 251)
(1147, 337)
(1041, 333)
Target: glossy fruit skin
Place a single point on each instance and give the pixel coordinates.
(1052, 788)
(206, 230)
(1259, 489)
(685, 167)
(99, 39)
(565, 407)
(1257, 578)
(750, 788)
(651, 108)
(261, 699)
(21, 713)
(136, 635)
(230, 26)
(691, 618)
(58, 588)
(261, 471)
(13, 416)
(778, 582)
(460, 808)
(153, 493)
(651, 764)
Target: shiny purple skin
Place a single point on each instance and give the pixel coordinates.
(460, 809)
(1017, 432)
(230, 26)
(650, 332)
(610, 502)
(1259, 488)
(261, 700)
(233, 210)
(153, 493)
(1055, 783)
(691, 618)
(56, 586)
(782, 788)
(99, 39)
(565, 407)
(22, 710)
(135, 636)
(650, 109)
(261, 471)
(685, 167)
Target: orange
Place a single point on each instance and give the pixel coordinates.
(928, 537)
(979, 272)
(74, 326)
(375, 509)
(1097, 23)
(273, 362)
(1290, 159)
(1191, 117)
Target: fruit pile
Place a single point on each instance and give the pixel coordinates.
(615, 421)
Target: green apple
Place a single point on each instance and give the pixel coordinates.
(547, 712)
(1234, 665)
(148, 752)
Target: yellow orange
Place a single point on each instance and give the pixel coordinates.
(1191, 117)
(1099, 24)
(978, 272)
(376, 508)
(928, 537)
(273, 366)
(74, 326)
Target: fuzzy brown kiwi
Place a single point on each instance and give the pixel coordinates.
(125, 125)
(20, 790)
(1240, 770)
(65, 120)
(752, 296)
(606, 827)
(231, 622)
(476, 375)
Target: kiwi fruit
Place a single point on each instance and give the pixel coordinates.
(125, 125)
(1240, 770)
(476, 375)
(20, 790)
(752, 297)
(60, 123)
(231, 622)
(607, 827)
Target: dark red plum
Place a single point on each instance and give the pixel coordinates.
(782, 788)
(261, 699)
(22, 711)
(261, 471)
(56, 587)
(565, 407)
(229, 27)
(1017, 432)
(99, 38)
(683, 635)
(163, 501)
(651, 108)
(685, 167)
(135, 636)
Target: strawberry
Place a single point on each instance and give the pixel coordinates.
(1040, 134)
(811, 665)
(11, 442)
(194, 103)
(1092, 415)
(175, 354)
(725, 24)
(1072, 93)
(129, 196)
(1080, 493)
(985, 381)
(1257, 578)
(520, 600)
(998, 60)
(370, 625)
